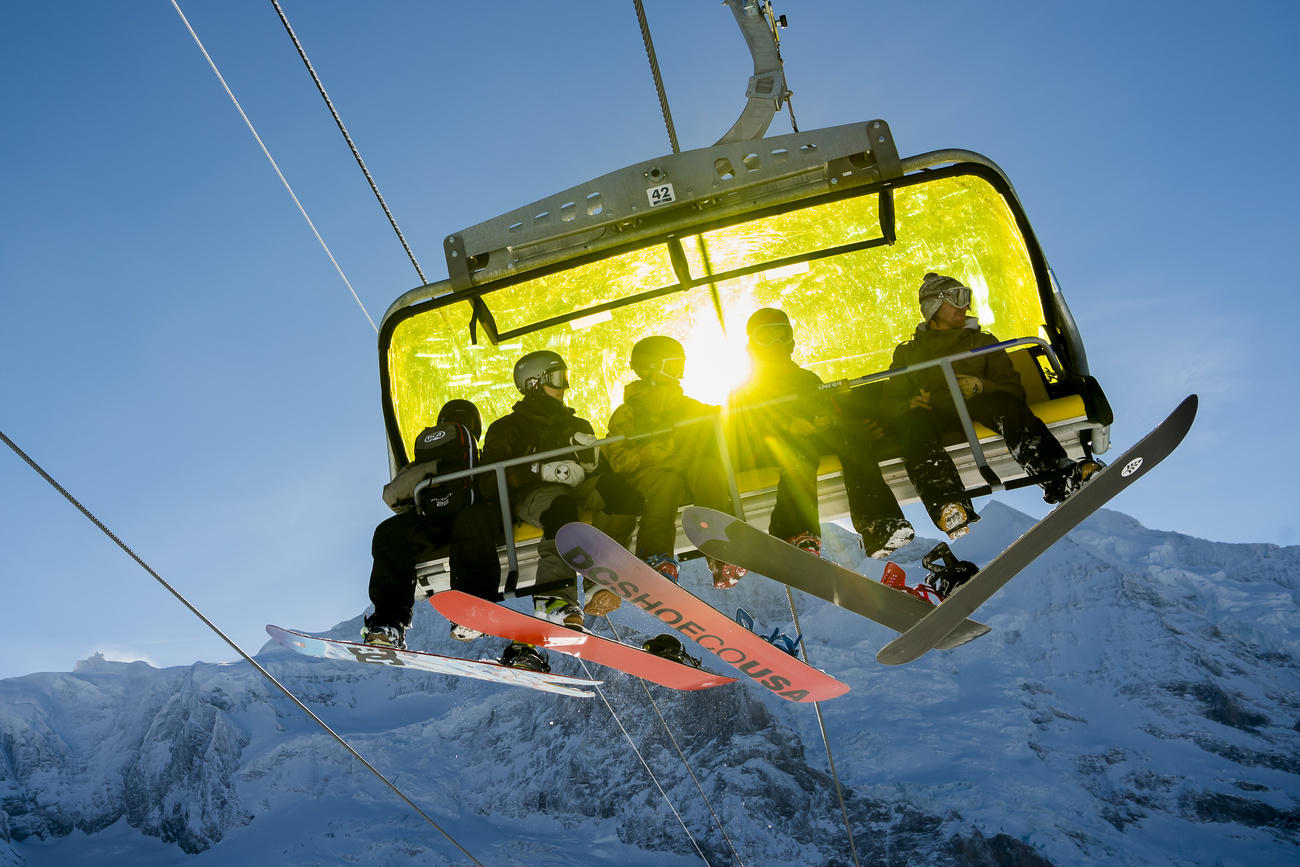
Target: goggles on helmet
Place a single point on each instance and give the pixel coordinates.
(772, 334)
(555, 377)
(957, 296)
(673, 367)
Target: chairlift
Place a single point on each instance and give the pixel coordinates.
(830, 225)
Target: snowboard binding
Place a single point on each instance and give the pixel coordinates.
(946, 572)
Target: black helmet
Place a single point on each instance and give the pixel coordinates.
(539, 368)
(462, 411)
(658, 354)
(770, 329)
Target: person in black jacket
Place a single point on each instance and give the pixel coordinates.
(922, 406)
(554, 490)
(793, 434)
(471, 531)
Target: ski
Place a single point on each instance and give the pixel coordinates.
(724, 537)
(351, 651)
(1099, 490)
(498, 620)
(609, 564)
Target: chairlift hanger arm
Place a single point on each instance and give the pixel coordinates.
(766, 90)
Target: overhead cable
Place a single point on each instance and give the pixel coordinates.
(226, 638)
(658, 77)
(689, 770)
(355, 153)
(274, 165)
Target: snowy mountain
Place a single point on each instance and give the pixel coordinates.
(1137, 702)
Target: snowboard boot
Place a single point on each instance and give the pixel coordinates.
(601, 603)
(558, 610)
(1068, 478)
(669, 647)
(884, 537)
(384, 636)
(807, 542)
(947, 573)
(520, 655)
(464, 633)
(955, 519)
(725, 575)
(664, 564)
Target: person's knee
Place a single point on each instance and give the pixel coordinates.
(562, 510)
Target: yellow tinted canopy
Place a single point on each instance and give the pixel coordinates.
(849, 290)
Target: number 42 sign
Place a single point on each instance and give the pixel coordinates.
(661, 194)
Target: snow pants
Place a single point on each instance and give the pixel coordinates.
(549, 507)
(932, 471)
(408, 538)
(703, 482)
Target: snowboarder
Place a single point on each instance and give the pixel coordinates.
(792, 435)
(922, 409)
(676, 466)
(470, 525)
(553, 492)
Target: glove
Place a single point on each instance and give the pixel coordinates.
(588, 457)
(563, 472)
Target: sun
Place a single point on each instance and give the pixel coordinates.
(715, 363)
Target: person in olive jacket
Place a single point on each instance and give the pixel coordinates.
(922, 406)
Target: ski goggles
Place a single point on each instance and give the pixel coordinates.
(772, 334)
(957, 296)
(673, 368)
(555, 377)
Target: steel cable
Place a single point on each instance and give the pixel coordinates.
(227, 639)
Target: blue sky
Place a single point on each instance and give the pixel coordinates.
(180, 353)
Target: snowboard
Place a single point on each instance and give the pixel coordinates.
(505, 622)
(934, 629)
(330, 648)
(724, 537)
(612, 566)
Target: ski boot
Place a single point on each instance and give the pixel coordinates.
(525, 656)
(807, 542)
(669, 647)
(665, 565)
(601, 602)
(558, 610)
(882, 538)
(946, 576)
(725, 575)
(384, 636)
(955, 520)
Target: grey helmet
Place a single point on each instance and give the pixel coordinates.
(539, 368)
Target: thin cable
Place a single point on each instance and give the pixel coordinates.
(821, 723)
(355, 153)
(654, 704)
(644, 764)
(271, 159)
(658, 77)
(199, 614)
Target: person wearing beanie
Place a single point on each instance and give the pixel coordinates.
(793, 434)
(922, 409)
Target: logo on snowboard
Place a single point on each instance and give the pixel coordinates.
(1132, 467)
